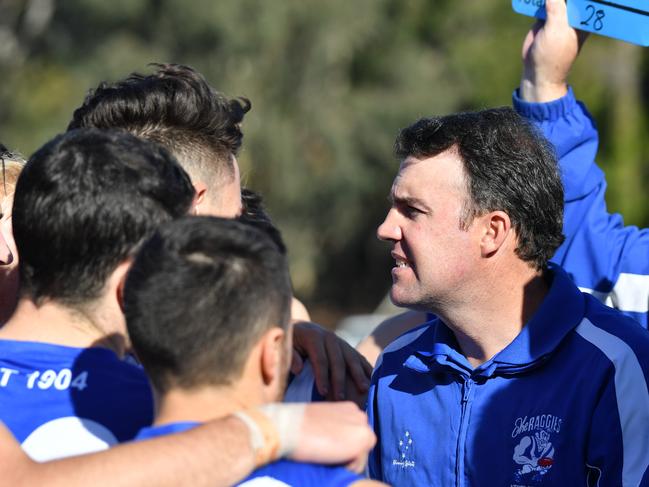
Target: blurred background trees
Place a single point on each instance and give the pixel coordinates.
(331, 84)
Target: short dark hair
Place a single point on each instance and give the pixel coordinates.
(83, 203)
(509, 166)
(254, 213)
(198, 296)
(175, 107)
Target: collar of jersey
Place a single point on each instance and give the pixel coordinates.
(560, 312)
(166, 429)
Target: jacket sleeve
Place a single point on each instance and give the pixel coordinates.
(601, 254)
(618, 444)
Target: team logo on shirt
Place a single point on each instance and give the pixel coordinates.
(406, 451)
(534, 451)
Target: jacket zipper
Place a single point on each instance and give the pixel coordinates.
(461, 440)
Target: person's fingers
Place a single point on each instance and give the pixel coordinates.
(358, 367)
(530, 37)
(318, 357)
(556, 13)
(368, 368)
(297, 364)
(337, 366)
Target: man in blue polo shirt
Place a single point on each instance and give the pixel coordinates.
(227, 351)
(521, 379)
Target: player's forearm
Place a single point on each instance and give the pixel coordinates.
(215, 454)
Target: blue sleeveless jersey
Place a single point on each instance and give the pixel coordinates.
(277, 474)
(60, 401)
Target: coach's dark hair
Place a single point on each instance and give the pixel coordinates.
(83, 203)
(509, 166)
(200, 293)
(175, 107)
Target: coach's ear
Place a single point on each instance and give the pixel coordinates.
(199, 198)
(496, 228)
(118, 279)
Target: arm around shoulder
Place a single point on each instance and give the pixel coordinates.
(193, 458)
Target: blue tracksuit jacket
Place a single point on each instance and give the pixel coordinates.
(566, 403)
(602, 256)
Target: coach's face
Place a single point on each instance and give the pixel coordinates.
(433, 255)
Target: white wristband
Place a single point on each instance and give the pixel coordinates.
(287, 419)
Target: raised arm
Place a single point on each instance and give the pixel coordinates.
(601, 254)
(549, 52)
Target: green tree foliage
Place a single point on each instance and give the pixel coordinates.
(331, 84)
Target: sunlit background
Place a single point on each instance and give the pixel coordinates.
(331, 82)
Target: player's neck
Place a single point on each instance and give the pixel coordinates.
(490, 319)
(205, 403)
(95, 325)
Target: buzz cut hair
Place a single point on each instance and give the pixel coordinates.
(200, 293)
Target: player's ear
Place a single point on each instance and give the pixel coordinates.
(199, 198)
(496, 227)
(119, 278)
(272, 353)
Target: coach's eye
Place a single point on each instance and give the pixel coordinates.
(411, 211)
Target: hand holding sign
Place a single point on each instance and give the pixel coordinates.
(549, 51)
(627, 20)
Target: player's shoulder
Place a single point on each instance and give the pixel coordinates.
(37, 349)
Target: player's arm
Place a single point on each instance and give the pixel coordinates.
(599, 249)
(193, 458)
(386, 332)
(549, 52)
(217, 453)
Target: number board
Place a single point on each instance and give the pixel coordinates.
(627, 20)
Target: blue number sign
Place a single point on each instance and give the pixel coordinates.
(627, 20)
